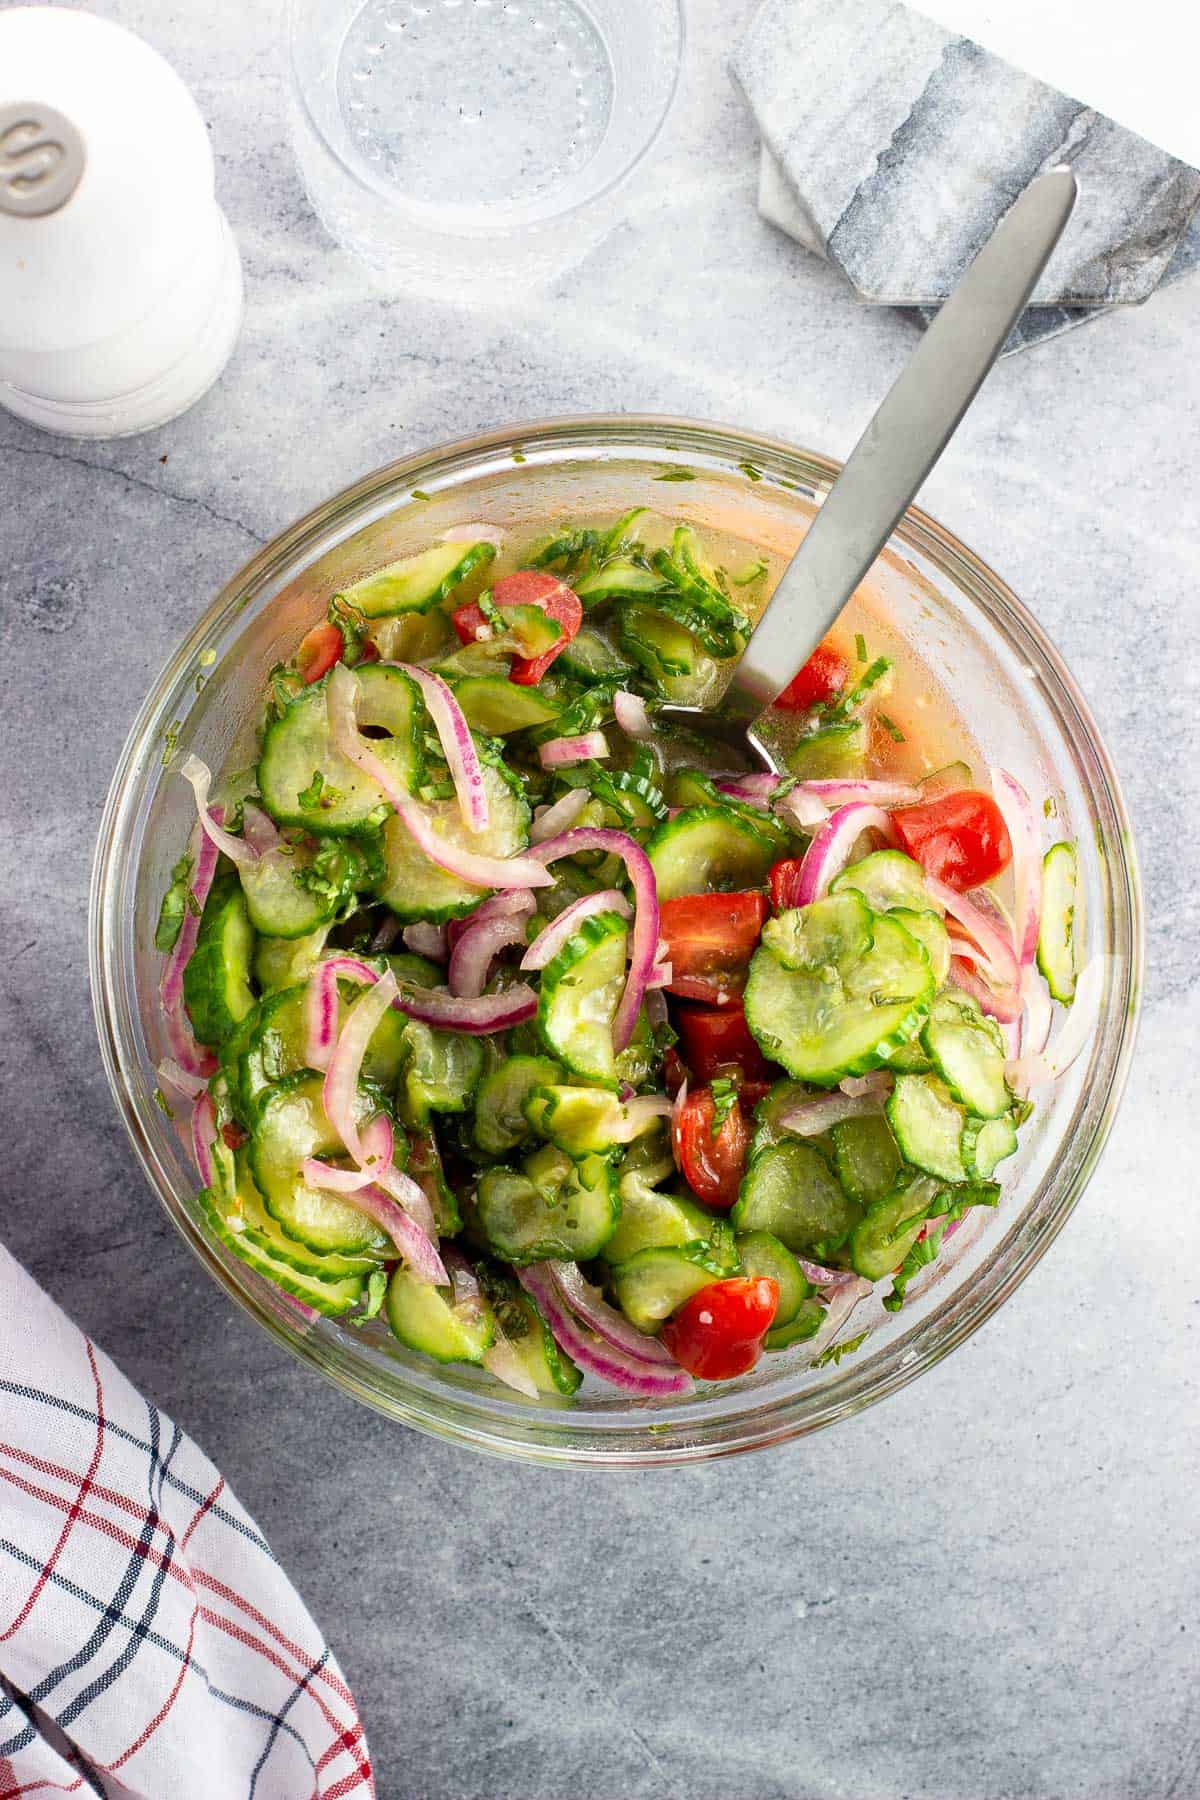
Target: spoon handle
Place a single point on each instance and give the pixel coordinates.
(905, 438)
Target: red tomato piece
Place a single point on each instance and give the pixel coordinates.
(960, 839)
(719, 1332)
(823, 675)
(319, 649)
(716, 1041)
(712, 1162)
(710, 939)
(784, 883)
(527, 587)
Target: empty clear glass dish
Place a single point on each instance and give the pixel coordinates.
(472, 147)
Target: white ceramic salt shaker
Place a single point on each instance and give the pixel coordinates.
(120, 281)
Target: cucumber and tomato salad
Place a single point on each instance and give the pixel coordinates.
(516, 1030)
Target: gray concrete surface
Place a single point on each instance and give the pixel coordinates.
(986, 1587)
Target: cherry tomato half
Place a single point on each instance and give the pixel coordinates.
(710, 939)
(716, 1041)
(319, 649)
(960, 839)
(719, 1332)
(527, 587)
(823, 675)
(712, 1162)
(784, 883)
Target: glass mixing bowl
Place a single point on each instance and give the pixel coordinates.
(976, 640)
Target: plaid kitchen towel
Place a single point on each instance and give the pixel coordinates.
(150, 1644)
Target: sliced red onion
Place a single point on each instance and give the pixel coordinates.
(472, 534)
(387, 934)
(467, 865)
(842, 1303)
(879, 793)
(644, 940)
(632, 715)
(589, 1305)
(477, 949)
(173, 1075)
(258, 830)
(490, 1012)
(1039, 1014)
(809, 1118)
(561, 753)
(518, 901)
(802, 809)
(636, 1375)
(199, 777)
(551, 939)
(418, 1250)
(320, 1016)
(204, 1136)
(878, 1082)
(1074, 1035)
(458, 746)
(548, 821)
(424, 939)
(501, 1360)
(821, 1277)
(188, 1053)
(751, 790)
(660, 976)
(340, 1093)
(1017, 808)
(831, 849)
(1003, 1004)
(982, 929)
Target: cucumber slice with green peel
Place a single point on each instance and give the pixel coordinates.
(691, 787)
(883, 1238)
(579, 992)
(908, 1059)
(968, 1052)
(928, 1125)
(866, 1157)
(706, 849)
(291, 1125)
(331, 1298)
(440, 1072)
(830, 933)
(591, 657)
(282, 962)
(216, 981)
(248, 1214)
(417, 583)
(582, 1121)
(929, 930)
(835, 753)
(413, 637)
(887, 879)
(761, 1253)
(808, 1321)
(620, 578)
(669, 654)
(635, 803)
(425, 1318)
(769, 1113)
(496, 705)
(304, 780)
(791, 1191)
(425, 1167)
(292, 897)
(1057, 954)
(500, 1122)
(949, 779)
(416, 889)
(276, 1045)
(552, 1208)
(985, 1144)
(517, 1316)
(654, 1283)
(843, 1019)
(652, 1220)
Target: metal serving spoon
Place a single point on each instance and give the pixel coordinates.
(890, 461)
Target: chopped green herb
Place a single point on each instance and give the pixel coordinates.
(848, 702)
(419, 494)
(311, 795)
(750, 472)
(491, 611)
(171, 741)
(891, 727)
(676, 475)
(207, 658)
(199, 680)
(376, 1291)
(519, 456)
(162, 1103)
(835, 1352)
(1050, 807)
(174, 905)
(193, 905)
(860, 646)
(752, 572)
(353, 626)
(724, 1092)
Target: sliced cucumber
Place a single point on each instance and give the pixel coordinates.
(763, 1254)
(425, 1167)
(968, 1052)
(552, 1208)
(441, 1071)
(669, 654)
(928, 1124)
(620, 578)
(305, 781)
(653, 1220)
(216, 981)
(883, 1238)
(806, 1324)
(282, 962)
(837, 752)
(332, 1298)
(1057, 951)
(843, 1019)
(929, 930)
(292, 896)
(655, 1283)
(291, 1125)
(830, 934)
(591, 657)
(418, 583)
(275, 1047)
(885, 879)
(250, 1216)
(415, 888)
(496, 705)
(866, 1157)
(985, 1144)
(500, 1121)
(549, 1368)
(704, 849)
(579, 992)
(790, 1191)
(426, 1318)
(580, 1120)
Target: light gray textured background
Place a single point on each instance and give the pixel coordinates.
(986, 1587)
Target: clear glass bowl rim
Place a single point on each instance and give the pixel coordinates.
(758, 1425)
